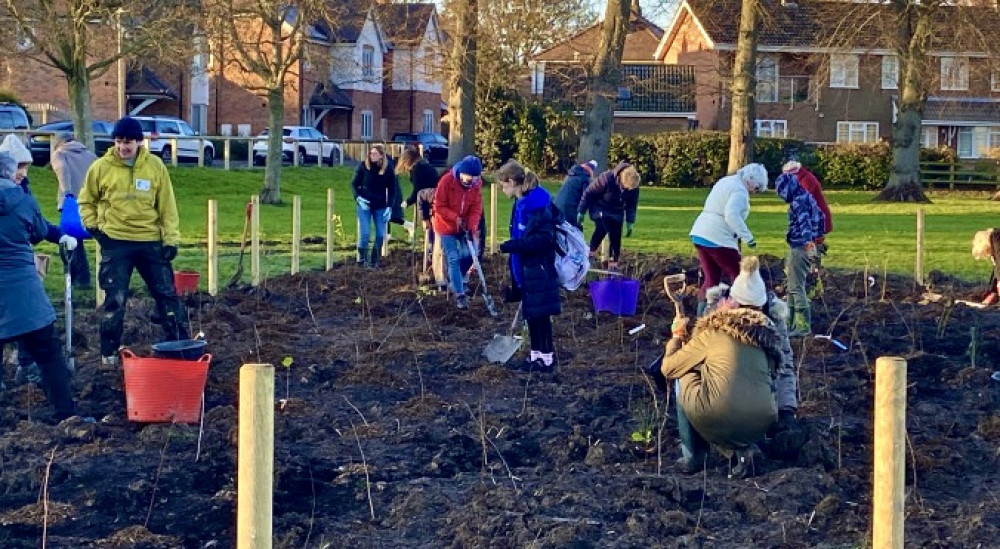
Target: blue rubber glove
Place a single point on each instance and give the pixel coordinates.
(752, 243)
(628, 228)
(386, 215)
(363, 203)
(579, 218)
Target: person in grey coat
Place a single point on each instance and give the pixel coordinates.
(26, 314)
(571, 191)
(70, 161)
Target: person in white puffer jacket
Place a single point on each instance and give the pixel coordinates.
(722, 224)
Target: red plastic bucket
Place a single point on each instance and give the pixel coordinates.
(162, 390)
(618, 296)
(186, 282)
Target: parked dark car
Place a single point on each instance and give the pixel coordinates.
(14, 117)
(435, 145)
(41, 136)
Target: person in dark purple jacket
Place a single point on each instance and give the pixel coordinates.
(611, 200)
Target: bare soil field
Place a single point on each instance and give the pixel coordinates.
(392, 431)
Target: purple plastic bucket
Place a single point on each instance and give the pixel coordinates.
(617, 296)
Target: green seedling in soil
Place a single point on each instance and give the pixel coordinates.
(644, 415)
(340, 237)
(974, 345)
(287, 363)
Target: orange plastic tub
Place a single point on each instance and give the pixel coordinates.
(163, 390)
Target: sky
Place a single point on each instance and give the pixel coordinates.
(657, 11)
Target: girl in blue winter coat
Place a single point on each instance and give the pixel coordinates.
(532, 249)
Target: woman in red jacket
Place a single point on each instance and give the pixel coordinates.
(458, 208)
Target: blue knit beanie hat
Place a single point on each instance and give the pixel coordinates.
(127, 128)
(470, 165)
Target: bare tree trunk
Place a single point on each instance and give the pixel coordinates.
(271, 192)
(78, 84)
(741, 124)
(462, 84)
(602, 85)
(904, 182)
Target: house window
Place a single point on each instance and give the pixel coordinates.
(367, 125)
(890, 72)
(428, 121)
(367, 61)
(994, 138)
(843, 71)
(857, 132)
(771, 128)
(929, 137)
(767, 79)
(965, 143)
(954, 73)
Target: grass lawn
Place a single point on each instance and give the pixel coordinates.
(877, 235)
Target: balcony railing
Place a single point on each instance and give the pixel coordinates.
(643, 88)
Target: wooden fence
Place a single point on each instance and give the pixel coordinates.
(975, 173)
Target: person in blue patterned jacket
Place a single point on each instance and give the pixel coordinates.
(805, 225)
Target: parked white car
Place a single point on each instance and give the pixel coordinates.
(159, 130)
(312, 145)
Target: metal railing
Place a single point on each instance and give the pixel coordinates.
(238, 151)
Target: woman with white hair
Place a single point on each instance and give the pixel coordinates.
(26, 314)
(722, 224)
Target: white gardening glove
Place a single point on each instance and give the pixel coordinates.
(68, 241)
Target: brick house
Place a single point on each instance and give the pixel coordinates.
(809, 90)
(411, 96)
(652, 96)
(347, 85)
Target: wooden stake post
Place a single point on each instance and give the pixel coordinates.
(255, 490)
(296, 232)
(213, 247)
(255, 241)
(918, 274)
(890, 458)
(493, 218)
(329, 229)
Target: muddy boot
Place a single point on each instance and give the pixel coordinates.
(374, 260)
(800, 325)
(746, 462)
(362, 256)
(28, 373)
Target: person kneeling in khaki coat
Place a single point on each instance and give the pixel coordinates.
(726, 376)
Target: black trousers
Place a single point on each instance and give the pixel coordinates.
(611, 228)
(45, 347)
(118, 259)
(540, 332)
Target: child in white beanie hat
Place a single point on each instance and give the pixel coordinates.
(748, 288)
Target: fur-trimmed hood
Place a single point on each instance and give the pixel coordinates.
(747, 326)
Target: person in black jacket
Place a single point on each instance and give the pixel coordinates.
(571, 191)
(611, 199)
(422, 176)
(532, 249)
(374, 187)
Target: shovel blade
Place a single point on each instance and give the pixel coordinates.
(501, 348)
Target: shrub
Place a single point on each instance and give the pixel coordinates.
(853, 166)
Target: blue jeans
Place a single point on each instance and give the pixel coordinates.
(365, 219)
(455, 249)
(694, 448)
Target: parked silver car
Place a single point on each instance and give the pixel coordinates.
(159, 130)
(312, 145)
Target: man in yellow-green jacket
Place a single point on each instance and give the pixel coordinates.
(127, 203)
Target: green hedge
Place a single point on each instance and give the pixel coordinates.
(700, 158)
(694, 158)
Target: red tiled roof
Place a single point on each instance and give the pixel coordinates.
(640, 43)
(838, 24)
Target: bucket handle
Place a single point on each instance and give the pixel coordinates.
(125, 353)
(206, 358)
